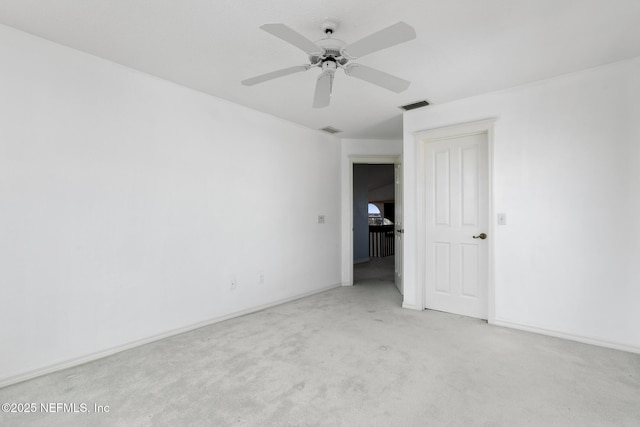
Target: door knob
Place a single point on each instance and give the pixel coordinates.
(481, 236)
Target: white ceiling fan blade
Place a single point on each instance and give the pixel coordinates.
(390, 36)
(274, 75)
(323, 89)
(377, 77)
(292, 37)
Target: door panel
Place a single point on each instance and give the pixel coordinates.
(443, 267)
(442, 187)
(470, 186)
(470, 263)
(456, 190)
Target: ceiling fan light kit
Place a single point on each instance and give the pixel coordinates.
(329, 54)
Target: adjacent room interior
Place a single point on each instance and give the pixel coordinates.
(373, 222)
(176, 227)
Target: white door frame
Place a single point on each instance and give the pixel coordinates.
(422, 138)
(347, 250)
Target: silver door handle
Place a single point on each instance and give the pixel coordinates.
(481, 236)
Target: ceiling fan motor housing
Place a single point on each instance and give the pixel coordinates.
(331, 49)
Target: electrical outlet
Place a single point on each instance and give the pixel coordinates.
(260, 277)
(320, 219)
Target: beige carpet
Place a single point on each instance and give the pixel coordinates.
(346, 357)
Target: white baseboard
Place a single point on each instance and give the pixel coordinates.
(4, 382)
(567, 336)
(411, 306)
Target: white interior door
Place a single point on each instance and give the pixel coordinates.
(456, 187)
(399, 231)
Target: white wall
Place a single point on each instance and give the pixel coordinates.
(567, 174)
(128, 203)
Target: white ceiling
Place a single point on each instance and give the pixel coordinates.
(463, 47)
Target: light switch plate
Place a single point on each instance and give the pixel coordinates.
(502, 219)
(320, 219)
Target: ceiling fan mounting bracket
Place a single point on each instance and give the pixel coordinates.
(329, 26)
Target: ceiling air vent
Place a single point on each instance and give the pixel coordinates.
(415, 105)
(330, 129)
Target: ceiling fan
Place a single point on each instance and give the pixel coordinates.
(329, 54)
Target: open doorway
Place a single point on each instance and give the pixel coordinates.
(374, 208)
